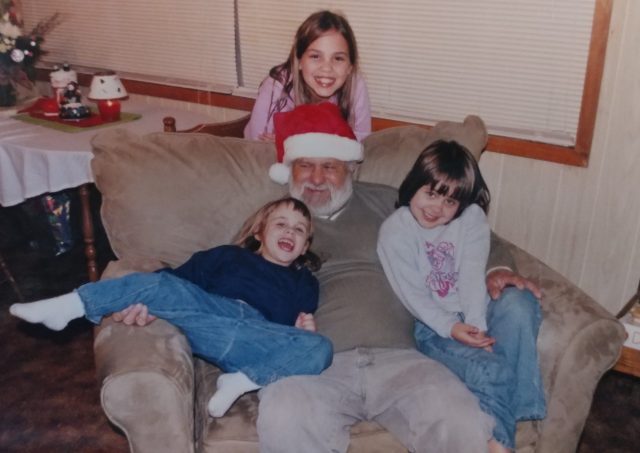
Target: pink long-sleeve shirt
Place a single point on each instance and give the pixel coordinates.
(269, 93)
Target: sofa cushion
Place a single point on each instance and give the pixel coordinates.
(166, 196)
(237, 432)
(390, 153)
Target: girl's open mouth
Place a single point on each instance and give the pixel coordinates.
(286, 245)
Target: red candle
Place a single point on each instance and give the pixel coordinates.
(109, 110)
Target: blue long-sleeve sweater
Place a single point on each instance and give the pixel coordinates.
(279, 293)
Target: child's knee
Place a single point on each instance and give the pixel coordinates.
(490, 372)
(518, 305)
(322, 351)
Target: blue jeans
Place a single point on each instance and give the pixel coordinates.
(506, 381)
(226, 332)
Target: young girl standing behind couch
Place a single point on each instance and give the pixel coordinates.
(434, 251)
(230, 302)
(322, 66)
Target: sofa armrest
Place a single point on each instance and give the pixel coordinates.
(146, 376)
(578, 342)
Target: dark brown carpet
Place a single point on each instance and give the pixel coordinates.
(49, 397)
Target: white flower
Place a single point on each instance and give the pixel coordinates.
(17, 55)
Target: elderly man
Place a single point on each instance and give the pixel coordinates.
(377, 374)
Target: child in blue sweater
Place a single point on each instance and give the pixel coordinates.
(247, 308)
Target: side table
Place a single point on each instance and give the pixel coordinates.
(629, 362)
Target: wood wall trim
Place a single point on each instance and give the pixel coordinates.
(512, 146)
(593, 77)
(499, 144)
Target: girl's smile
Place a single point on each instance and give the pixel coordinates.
(326, 64)
(286, 244)
(325, 82)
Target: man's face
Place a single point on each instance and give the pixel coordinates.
(324, 185)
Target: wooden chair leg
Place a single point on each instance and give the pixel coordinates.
(88, 234)
(9, 277)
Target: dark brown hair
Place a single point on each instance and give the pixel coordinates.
(448, 168)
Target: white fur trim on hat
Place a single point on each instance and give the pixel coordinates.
(321, 145)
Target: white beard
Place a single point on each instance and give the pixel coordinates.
(337, 199)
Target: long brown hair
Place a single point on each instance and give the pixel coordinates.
(288, 73)
(256, 224)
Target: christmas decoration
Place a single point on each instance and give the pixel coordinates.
(19, 52)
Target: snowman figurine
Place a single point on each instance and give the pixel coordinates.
(60, 78)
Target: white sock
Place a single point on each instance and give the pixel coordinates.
(55, 313)
(231, 386)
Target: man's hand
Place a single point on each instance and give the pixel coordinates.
(306, 321)
(137, 314)
(471, 336)
(499, 279)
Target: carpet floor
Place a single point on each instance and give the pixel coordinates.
(49, 397)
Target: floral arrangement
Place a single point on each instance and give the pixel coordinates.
(19, 52)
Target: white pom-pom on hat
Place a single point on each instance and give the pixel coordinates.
(279, 173)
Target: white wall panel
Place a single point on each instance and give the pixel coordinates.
(594, 232)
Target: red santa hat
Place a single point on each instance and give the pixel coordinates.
(312, 130)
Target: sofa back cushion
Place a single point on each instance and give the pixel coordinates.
(168, 195)
(390, 153)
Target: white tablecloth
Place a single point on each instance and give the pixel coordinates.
(36, 159)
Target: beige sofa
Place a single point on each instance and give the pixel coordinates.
(168, 195)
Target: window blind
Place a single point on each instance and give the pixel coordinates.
(189, 43)
(518, 64)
